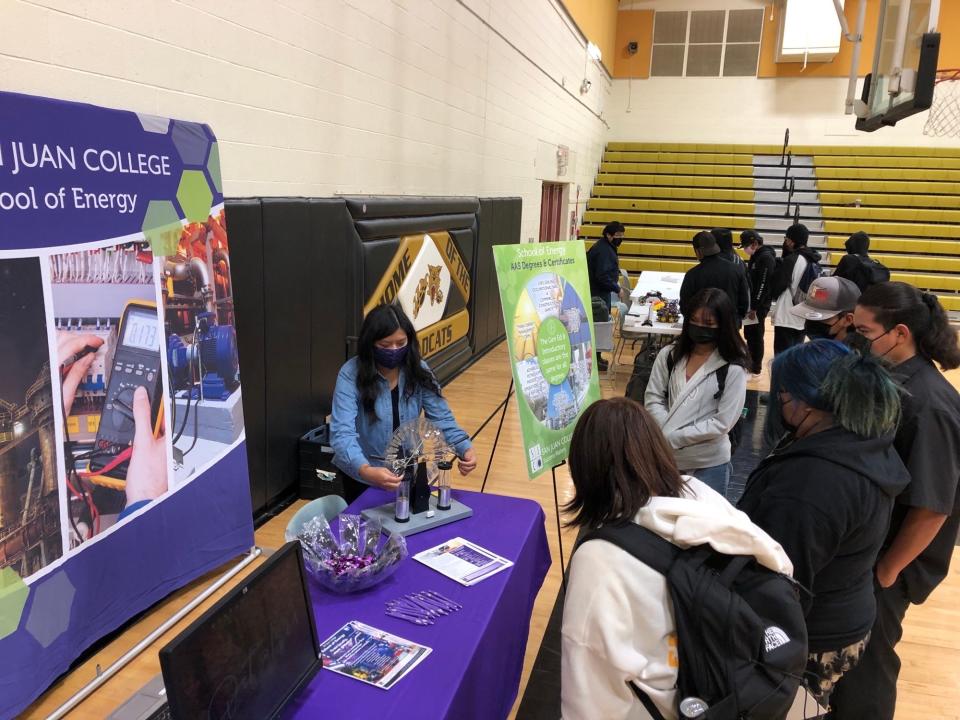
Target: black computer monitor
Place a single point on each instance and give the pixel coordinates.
(249, 654)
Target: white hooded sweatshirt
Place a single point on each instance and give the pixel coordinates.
(618, 622)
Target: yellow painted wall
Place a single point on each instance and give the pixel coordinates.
(949, 27)
(597, 19)
(637, 26)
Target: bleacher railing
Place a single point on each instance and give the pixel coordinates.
(786, 142)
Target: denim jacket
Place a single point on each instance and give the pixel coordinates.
(358, 441)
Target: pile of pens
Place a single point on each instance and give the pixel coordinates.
(422, 608)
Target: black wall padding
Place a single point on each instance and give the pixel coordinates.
(397, 206)
(334, 287)
(499, 224)
(383, 227)
(244, 224)
(288, 235)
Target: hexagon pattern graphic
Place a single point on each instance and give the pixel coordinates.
(161, 227)
(50, 610)
(154, 123)
(213, 167)
(194, 195)
(13, 596)
(191, 141)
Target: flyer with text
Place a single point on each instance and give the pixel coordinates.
(370, 655)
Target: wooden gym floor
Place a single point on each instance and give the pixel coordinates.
(930, 649)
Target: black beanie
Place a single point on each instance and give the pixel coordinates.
(724, 238)
(799, 234)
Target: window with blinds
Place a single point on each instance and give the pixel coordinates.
(707, 43)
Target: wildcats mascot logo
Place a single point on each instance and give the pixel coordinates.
(428, 285)
(423, 274)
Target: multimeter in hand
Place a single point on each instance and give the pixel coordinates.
(136, 362)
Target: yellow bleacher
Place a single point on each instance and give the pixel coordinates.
(907, 199)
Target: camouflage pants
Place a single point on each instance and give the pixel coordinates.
(824, 669)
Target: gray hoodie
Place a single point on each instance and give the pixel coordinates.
(695, 422)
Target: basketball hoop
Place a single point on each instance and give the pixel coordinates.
(944, 117)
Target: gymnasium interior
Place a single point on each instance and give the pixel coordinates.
(343, 126)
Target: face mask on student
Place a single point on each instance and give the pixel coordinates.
(390, 358)
(817, 330)
(864, 345)
(702, 335)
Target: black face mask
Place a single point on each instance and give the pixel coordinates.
(702, 335)
(616, 242)
(862, 344)
(817, 330)
(789, 427)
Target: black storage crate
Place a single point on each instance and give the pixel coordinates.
(316, 465)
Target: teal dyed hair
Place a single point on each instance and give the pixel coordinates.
(857, 390)
(864, 397)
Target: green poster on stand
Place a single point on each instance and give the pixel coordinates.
(545, 294)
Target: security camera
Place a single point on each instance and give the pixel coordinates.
(632, 47)
(585, 86)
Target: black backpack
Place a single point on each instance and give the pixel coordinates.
(642, 368)
(736, 432)
(601, 313)
(811, 272)
(870, 272)
(741, 634)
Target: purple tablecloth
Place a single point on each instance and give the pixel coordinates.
(474, 669)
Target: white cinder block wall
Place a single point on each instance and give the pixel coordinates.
(323, 97)
(748, 110)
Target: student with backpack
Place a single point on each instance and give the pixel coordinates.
(798, 267)
(698, 386)
(857, 265)
(826, 493)
(638, 643)
(760, 271)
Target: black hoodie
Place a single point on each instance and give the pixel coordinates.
(784, 273)
(827, 499)
(857, 266)
(760, 271)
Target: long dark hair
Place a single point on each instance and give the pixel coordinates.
(897, 303)
(382, 321)
(729, 342)
(618, 460)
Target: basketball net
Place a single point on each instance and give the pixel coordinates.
(944, 117)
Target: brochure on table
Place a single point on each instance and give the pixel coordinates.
(463, 561)
(370, 655)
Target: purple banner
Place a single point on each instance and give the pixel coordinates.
(123, 472)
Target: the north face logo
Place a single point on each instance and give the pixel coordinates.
(774, 637)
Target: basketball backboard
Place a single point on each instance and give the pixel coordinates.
(904, 64)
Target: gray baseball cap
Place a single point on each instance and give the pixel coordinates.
(828, 297)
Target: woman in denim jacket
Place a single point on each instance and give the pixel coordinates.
(384, 386)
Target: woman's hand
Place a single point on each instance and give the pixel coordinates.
(468, 463)
(379, 477)
(147, 473)
(67, 345)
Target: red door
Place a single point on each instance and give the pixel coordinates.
(551, 212)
